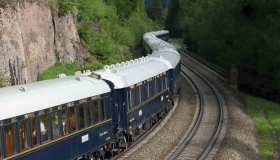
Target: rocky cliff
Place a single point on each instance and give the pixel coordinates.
(33, 37)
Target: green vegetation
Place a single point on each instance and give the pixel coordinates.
(109, 29)
(266, 116)
(57, 69)
(241, 32)
(155, 11)
(2, 80)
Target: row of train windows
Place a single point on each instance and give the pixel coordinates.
(147, 89)
(25, 134)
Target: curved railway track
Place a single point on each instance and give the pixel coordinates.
(200, 140)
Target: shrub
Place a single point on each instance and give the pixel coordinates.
(108, 28)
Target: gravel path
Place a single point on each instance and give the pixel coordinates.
(240, 142)
(169, 135)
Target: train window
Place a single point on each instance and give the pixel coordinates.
(101, 112)
(72, 119)
(146, 93)
(87, 114)
(135, 96)
(64, 121)
(82, 116)
(9, 140)
(132, 97)
(143, 92)
(94, 111)
(55, 124)
(106, 102)
(34, 132)
(148, 89)
(1, 144)
(166, 82)
(44, 127)
(23, 128)
(159, 84)
(163, 82)
(128, 99)
(155, 85)
(152, 87)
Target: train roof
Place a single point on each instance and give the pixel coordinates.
(170, 55)
(163, 58)
(135, 71)
(162, 48)
(29, 98)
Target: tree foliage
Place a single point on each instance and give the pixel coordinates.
(242, 32)
(155, 11)
(108, 28)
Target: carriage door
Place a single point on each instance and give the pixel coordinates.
(121, 108)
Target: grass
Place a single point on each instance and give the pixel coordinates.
(258, 108)
(59, 68)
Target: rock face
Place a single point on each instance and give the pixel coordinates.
(67, 40)
(33, 38)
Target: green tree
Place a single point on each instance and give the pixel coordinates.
(155, 11)
(242, 32)
(172, 22)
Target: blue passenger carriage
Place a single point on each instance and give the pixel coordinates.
(55, 119)
(143, 87)
(140, 93)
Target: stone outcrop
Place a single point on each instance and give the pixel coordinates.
(33, 38)
(67, 40)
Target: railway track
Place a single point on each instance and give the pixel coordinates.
(200, 140)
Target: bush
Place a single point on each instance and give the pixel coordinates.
(108, 28)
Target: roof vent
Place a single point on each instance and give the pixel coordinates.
(107, 68)
(78, 75)
(87, 72)
(23, 88)
(61, 75)
(96, 76)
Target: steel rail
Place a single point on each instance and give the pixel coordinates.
(218, 127)
(197, 118)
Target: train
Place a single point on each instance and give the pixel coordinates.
(92, 114)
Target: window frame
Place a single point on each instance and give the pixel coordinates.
(56, 114)
(20, 123)
(34, 126)
(2, 143)
(12, 126)
(82, 114)
(94, 113)
(101, 111)
(106, 106)
(44, 114)
(135, 95)
(70, 106)
(63, 115)
(143, 92)
(159, 83)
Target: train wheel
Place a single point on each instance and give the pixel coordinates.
(123, 143)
